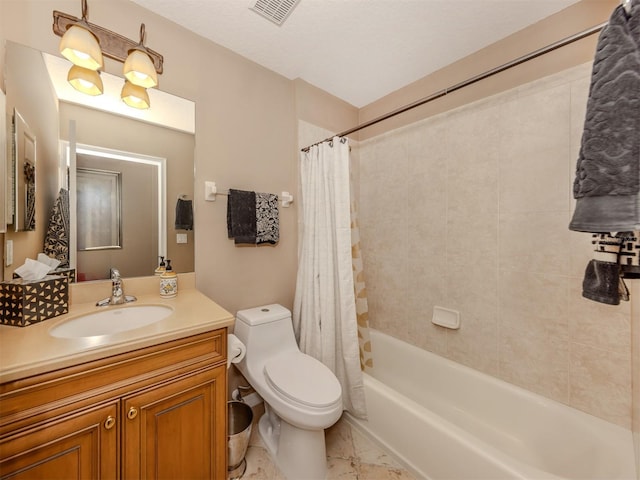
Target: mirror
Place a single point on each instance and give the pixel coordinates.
(106, 179)
(3, 165)
(134, 133)
(22, 183)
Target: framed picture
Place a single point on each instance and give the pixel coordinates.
(98, 209)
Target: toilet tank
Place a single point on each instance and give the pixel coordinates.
(263, 314)
(265, 330)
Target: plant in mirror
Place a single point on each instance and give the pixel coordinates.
(163, 134)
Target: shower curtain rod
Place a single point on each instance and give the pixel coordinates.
(513, 63)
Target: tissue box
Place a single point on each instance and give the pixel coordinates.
(63, 272)
(23, 303)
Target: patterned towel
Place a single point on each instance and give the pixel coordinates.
(56, 240)
(629, 256)
(607, 182)
(267, 220)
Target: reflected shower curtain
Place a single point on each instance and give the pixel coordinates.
(324, 311)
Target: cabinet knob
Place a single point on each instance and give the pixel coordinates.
(109, 423)
(132, 413)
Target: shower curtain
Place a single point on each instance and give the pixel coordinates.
(324, 311)
(362, 303)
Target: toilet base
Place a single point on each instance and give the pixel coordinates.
(298, 453)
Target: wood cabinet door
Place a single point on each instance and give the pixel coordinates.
(84, 445)
(177, 430)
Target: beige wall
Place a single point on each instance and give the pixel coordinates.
(317, 107)
(245, 138)
(2, 37)
(634, 291)
(3, 167)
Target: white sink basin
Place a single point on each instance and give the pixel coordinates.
(111, 320)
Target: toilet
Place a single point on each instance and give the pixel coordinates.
(302, 396)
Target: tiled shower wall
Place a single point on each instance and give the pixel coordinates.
(469, 210)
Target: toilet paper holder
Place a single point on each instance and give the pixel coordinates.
(236, 350)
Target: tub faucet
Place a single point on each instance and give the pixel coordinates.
(117, 292)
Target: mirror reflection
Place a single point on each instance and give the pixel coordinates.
(107, 235)
(22, 197)
(95, 126)
(98, 208)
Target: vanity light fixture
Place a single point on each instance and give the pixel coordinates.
(138, 67)
(141, 64)
(135, 96)
(85, 80)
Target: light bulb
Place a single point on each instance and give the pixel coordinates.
(135, 96)
(139, 69)
(85, 80)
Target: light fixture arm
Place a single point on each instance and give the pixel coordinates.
(140, 46)
(142, 33)
(85, 10)
(83, 22)
(113, 45)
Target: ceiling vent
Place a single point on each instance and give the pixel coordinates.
(275, 10)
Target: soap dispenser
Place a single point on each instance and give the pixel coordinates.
(161, 268)
(168, 282)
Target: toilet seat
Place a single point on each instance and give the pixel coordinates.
(303, 379)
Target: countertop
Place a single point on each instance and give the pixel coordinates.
(31, 350)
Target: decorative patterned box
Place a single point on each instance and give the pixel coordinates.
(24, 303)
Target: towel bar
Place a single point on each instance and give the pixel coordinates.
(211, 190)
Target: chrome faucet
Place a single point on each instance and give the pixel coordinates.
(117, 292)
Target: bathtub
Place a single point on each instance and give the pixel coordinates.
(443, 420)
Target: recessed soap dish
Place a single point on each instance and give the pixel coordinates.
(446, 317)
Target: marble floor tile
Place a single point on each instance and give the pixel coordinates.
(350, 456)
(369, 453)
(339, 441)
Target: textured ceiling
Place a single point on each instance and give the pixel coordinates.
(358, 50)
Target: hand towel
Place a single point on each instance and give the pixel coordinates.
(267, 219)
(616, 257)
(607, 182)
(184, 215)
(241, 216)
(601, 282)
(56, 240)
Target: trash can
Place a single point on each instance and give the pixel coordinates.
(240, 418)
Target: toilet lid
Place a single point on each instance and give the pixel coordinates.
(303, 379)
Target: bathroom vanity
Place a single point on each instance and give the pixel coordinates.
(144, 403)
